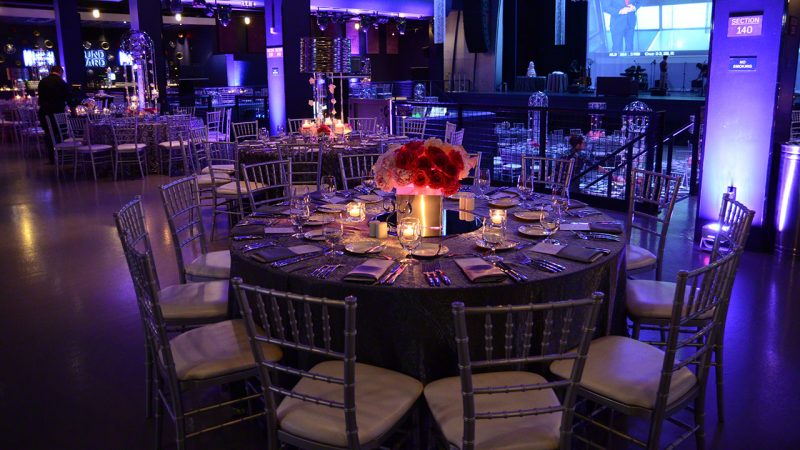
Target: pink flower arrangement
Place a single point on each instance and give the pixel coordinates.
(423, 166)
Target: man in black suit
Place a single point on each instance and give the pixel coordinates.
(623, 23)
(53, 98)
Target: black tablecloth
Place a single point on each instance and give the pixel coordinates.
(408, 326)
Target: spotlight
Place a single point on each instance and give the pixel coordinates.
(96, 13)
(401, 26)
(357, 25)
(323, 20)
(178, 17)
(247, 20)
(224, 15)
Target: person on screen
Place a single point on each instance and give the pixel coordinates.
(623, 23)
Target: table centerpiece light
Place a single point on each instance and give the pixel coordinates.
(422, 173)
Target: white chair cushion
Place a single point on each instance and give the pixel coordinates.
(654, 299)
(205, 180)
(194, 300)
(223, 168)
(217, 136)
(215, 350)
(212, 265)
(230, 188)
(170, 144)
(130, 147)
(638, 258)
(531, 432)
(627, 371)
(94, 148)
(382, 398)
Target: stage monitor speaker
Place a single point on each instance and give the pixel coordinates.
(476, 25)
(617, 86)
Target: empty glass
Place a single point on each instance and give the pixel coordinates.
(328, 187)
(299, 213)
(525, 189)
(483, 181)
(494, 235)
(551, 221)
(368, 180)
(333, 236)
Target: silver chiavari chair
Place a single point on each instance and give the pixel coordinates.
(181, 199)
(505, 406)
(306, 160)
(214, 124)
(228, 193)
(637, 379)
(353, 168)
(63, 146)
(296, 124)
(267, 183)
(177, 131)
(183, 305)
(548, 173)
(31, 131)
(649, 302)
(127, 148)
(449, 129)
(195, 148)
(414, 128)
(654, 194)
(184, 110)
(88, 152)
(361, 405)
(245, 131)
(194, 362)
(362, 125)
(457, 138)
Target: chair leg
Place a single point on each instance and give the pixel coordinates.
(700, 420)
(94, 167)
(158, 419)
(637, 328)
(116, 165)
(148, 382)
(718, 372)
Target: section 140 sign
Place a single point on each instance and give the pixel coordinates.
(745, 26)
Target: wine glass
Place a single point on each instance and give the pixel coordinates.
(525, 189)
(484, 179)
(299, 214)
(494, 235)
(561, 197)
(333, 235)
(368, 181)
(409, 233)
(281, 131)
(328, 187)
(551, 221)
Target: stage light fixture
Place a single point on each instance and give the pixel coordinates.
(401, 26)
(247, 20)
(357, 25)
(224, 15)
(96, 13)
(323, 20)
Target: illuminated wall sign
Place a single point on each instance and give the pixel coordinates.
(38, 58)
(745, 26)
(95, 58)
(742, 63)
(125, 59)
(275, 52)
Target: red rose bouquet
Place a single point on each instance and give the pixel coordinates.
(323, 130)
(418, 167)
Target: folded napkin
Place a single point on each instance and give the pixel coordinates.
(270, 254)
(571, 252)
(278, 230)
(480, 271)
(370, 271)
(606, 227)
(246, 230)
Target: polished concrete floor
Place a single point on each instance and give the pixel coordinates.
(71, 342)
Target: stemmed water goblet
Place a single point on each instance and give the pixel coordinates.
(409, 234)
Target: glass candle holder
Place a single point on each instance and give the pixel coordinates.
(356, 212)
(498, 217)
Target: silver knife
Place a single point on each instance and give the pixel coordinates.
(296, 259)
(396, 274)
(388, 274)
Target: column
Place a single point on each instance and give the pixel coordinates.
(752, 74)
(68, 32)
(146, 16)
(286, 21)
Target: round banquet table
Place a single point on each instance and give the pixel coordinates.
(408, 327)
(151, 132)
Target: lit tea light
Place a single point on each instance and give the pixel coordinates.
(355, 212)
(497, 216)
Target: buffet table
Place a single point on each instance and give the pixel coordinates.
(408, 326)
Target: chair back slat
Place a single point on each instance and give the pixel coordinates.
(132, 231)
(184, 110)
(296, 124)
(125, 131)
(414, 128)
(449, 129)
(549, 173)
(457, 138)
(362, 125)
(282, 308)
(585, 311)
(734, 224)
(306, 161)
(353, 168)
(181, 200)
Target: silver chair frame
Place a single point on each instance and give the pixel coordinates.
(354, 167)
(548, 173)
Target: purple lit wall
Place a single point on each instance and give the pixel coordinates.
(741, 109)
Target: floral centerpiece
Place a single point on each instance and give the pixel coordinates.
(419, 167)
(323, 130)
(422, 173)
